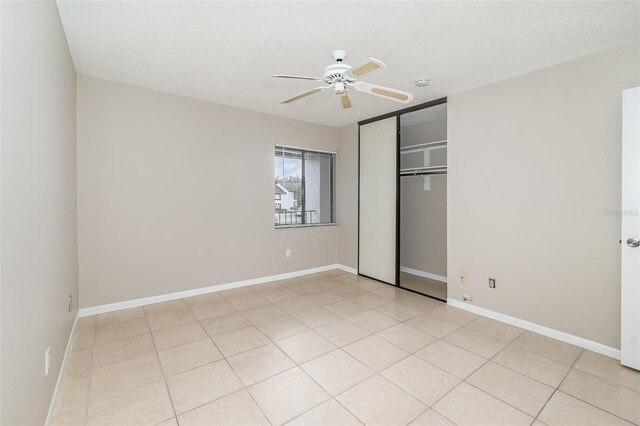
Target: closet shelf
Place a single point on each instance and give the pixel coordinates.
(425, 144)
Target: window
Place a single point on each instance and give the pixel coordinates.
(304, 187)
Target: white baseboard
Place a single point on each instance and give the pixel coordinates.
(423, 274)
(348, 269)
(93, 310)
(540, 329)
(54, 397)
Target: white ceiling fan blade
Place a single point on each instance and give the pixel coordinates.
(384, 92)
(366, 66)
(346, 102)
(304, 94)
(297, 77)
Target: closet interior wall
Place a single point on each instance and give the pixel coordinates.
(423, 203)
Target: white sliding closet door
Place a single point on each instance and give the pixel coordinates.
(378, 198)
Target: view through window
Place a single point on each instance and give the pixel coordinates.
(304, 187)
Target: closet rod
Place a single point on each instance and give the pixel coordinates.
(428, 173)
(419, 169)
(428, 170)
(442, 142)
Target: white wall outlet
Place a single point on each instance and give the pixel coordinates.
(463, 277)
(70, 303)
(47, 361)
(492, 283)
(287, 253)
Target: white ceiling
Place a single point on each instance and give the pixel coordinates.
(423, 115)
(225, 51)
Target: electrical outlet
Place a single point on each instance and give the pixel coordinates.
(287, 253)
(47, 361)
(463, 277)
(492, 283)
(70, 303)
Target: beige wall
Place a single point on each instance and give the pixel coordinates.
(423, 214)
(428, 131)
(347, 196)
(38, 174)
(534, 164)
(176, 194)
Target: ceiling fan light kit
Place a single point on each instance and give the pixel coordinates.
(341, 77)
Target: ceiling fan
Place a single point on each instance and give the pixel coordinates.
(341, 77)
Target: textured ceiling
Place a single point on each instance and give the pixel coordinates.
(423, 115)
(225, 51)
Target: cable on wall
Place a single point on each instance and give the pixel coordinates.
(465, 296)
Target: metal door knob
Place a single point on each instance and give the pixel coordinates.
(633, 242)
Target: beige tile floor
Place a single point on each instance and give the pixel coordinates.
(331, 349)
(424, 285)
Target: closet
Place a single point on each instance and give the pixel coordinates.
(402, 166)
(423, 201)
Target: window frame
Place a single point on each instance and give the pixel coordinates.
(332, 195)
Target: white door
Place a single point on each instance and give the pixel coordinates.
(630, 324)
(378, 200)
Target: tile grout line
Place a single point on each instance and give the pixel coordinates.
(211, 337)
(328, 393)
(150, 332)
(245, 387)
(587, 402)
(62, 376)
(520, 348)
(224, 358)
(331, 398)
(602, 378)
(145, 316)
(375, 373)
(87, 391)
(557, 388)
(296, 365)
(299, 366)
(272, 341)
(388, 301)
(542, 355)
(594, 406)
(93, 354)
(256, 403)
(500, 399)
(456, 386)
(470, 374)
(89, 403)
(430, 407)
(164, 375)
(234, 372)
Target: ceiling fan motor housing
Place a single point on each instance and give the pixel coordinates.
(334, 71)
